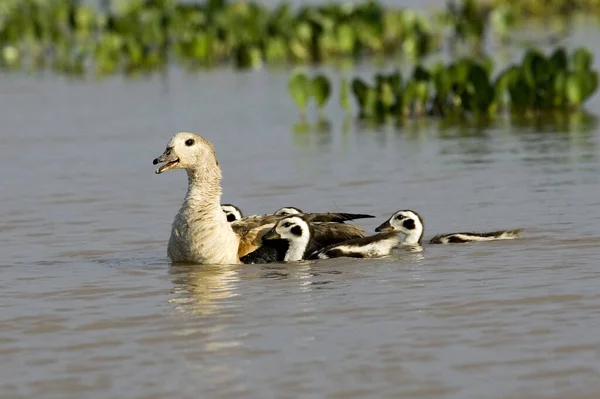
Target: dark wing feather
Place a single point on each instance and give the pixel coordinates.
(335, 217)
(357, 241)
(463, 237)
(263, 254)
(334, 233)
(248, 223)
(243, 226)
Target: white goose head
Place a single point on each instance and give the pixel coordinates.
(296, 231)
(232, 212)
(407, 222)
(288, 210)
(188, 151)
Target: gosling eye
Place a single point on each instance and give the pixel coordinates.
(189, 142)
(287, 224)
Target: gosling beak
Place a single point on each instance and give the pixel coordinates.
(271, 235)
(169, 158)
(384, 227)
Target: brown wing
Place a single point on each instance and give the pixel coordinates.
(244, 226)
(251, 229)
(250, 238)
(248, 223)
(334, 233)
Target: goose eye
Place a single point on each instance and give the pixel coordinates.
(399, 217)
(189, 142)
(287, 224)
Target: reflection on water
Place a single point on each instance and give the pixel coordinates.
(203, 288)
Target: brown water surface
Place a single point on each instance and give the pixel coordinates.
(91, 308)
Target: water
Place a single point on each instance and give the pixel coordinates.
(90, 307)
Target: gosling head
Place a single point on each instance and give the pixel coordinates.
(407, 222)
(291, 228)
(186, 151)
(288, 210)
(296, 232)
(232, 212)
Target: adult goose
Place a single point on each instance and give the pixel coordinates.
(200, 232)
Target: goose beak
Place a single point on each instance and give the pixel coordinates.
(384, 227)
(169, 159)
(271, 235)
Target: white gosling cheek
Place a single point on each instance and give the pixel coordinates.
(298, 244)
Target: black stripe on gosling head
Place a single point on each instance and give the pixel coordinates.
(232, 212)
(289, 228)
(296, 232)
(405, 221)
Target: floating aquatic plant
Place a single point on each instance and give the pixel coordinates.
(467, 20)
(302, 89)
(465, 88)
(299, 87)
(320, 90)
(139, 35)
(545, 8)
(145, 34)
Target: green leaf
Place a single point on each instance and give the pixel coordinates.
(582, 60)
(536, 67)
(299, 88)
(421, 73)
(560, 89)
(321, 90)
(409, 94)
(522, 94)
(386, 95)
(380, 79)
(346, 38)
(558, 61)
(461, 71)
(442, 82)
(503, 81)
(580, 86)
(478, 76)
(360, 88)
(575, 90)
(276, 50)
(488, 65)
(591, 83)
(395, 80)
(479, 88)
(422, 91)
(371, 102)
